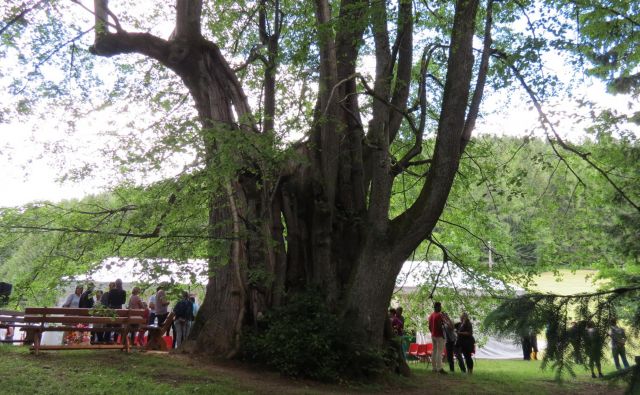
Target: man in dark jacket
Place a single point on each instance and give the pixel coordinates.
(117, 296)
(86, 299)
(184, 314)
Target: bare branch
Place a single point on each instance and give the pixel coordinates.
(480, 239)
(548, 126)
(107, 233)
(20, 15)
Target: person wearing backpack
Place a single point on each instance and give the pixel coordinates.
(618, 340)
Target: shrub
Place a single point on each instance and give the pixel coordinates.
(305, 339)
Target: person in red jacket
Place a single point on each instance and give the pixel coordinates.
(437, 338)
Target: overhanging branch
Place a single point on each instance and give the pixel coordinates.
(547, 125)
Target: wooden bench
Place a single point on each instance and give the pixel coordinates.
(155, 340)
(15, 320)
(60, 319)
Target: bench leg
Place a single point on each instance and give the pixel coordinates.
(36, 342)
(125, 340)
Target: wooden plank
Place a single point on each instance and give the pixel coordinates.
(84, 320)
(12, 320)
(11, 313)
(73, 329)
(77, 311)
(82, 347)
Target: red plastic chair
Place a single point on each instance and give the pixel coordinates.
(424, 352)
(413, 350)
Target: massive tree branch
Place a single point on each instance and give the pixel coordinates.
(404, 45)
(326, 133)
(415, 224)
(378, 136)
(188, 13)
(481, 79)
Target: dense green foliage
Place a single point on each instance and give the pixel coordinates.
(304, 339)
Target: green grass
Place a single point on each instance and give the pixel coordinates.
(519, 377)
(568, 283)
(104, 372)
(114, 372)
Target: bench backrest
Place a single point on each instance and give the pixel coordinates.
(61, 315)
(11, 317)
(78, 311)
(4, 314)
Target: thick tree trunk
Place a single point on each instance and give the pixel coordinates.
(333, 206)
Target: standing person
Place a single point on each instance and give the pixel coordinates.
(104, 301)
(525, 341)
(196, 307)
(97, 336)
(162, 305)
(117, 296)
(73, 300)
(593, 345)
(152, 309)
(184, 313)
(86, 299)
(135, 303)
(618, 340)
(533, 340)
(574, 339)
(465, 343)
(194, 302)
(437, 337)
(396, 324)
(450, 338)
(87, 302)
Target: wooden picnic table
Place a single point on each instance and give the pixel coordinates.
(61, 319)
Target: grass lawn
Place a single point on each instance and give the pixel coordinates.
(568, 283)
(520, 377)
(114, 372)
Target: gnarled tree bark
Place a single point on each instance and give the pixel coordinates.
(335, 206)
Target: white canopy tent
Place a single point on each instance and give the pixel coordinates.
(415, 274)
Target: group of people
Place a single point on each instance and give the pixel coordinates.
(156, 310)
(454, 338)
(593, 341)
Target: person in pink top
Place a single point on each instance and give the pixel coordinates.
(437, 337)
